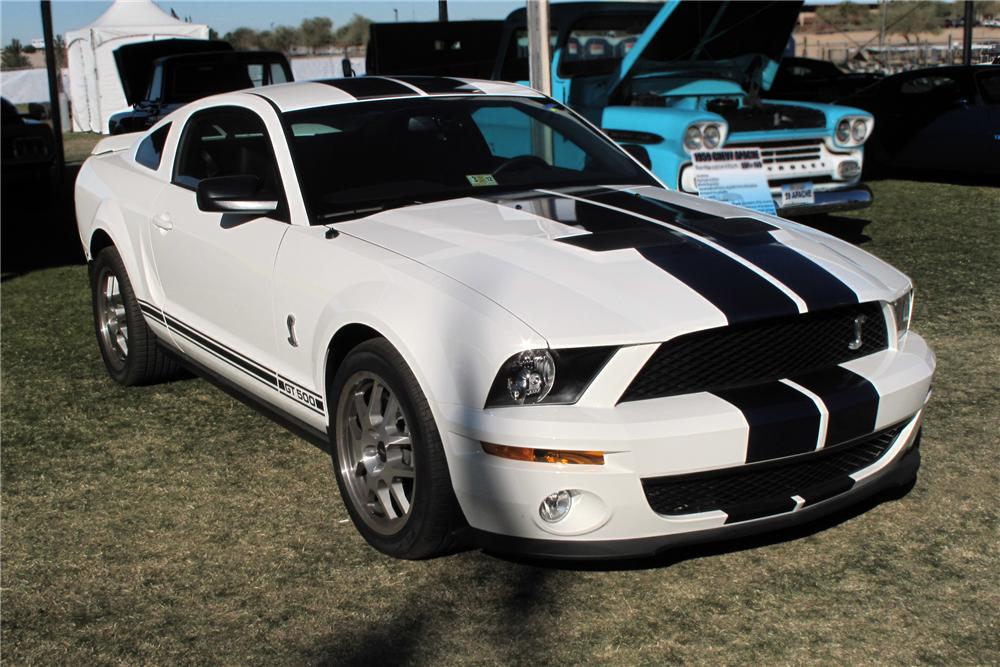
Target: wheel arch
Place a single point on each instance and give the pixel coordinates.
(345, 339)
(99, 240)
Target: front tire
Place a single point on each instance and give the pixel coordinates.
(388, 457)
(130, 350)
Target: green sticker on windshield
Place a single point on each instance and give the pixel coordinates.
(479, 180)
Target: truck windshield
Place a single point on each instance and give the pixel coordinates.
(355, 159)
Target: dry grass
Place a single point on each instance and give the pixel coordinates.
(173, 525)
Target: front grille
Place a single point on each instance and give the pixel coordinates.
(804, 152)
(758, 352)
(744, 490)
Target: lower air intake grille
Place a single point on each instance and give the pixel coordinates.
(758, 352)
(738, 491)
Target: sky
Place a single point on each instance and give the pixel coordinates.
(21, 19)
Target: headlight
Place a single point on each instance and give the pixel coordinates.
(859, 129)
(711, 136)
(692, 138)
(844, 131)
(530, 375)
(902, 308)
(553, 377)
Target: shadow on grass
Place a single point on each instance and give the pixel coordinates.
(720, 547)
(38, 229)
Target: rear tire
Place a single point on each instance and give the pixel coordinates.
(129, 348)
(387, 456)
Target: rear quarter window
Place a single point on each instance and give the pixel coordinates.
(150, 150)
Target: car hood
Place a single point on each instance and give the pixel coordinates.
(736, 40)
(597, 266)
(135, 61)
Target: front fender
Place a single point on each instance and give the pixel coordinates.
(452, 338)
(666, 155)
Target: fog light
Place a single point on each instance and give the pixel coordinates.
(556, 506)
(849, 169)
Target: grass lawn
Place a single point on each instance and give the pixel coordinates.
(78, 145)
(172, 524)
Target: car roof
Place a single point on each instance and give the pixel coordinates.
(326, 92)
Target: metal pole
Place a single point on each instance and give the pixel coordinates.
(967, 35)
(539, 59)
(53, 72)
(443, 11)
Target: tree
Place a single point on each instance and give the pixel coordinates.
(910, 18)
(213, 33)
(845, 16)
(242, 38)
(354, 32)
(282, 38)
(317, 32)
(13, 56)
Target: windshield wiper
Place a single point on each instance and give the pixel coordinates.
(361, 212)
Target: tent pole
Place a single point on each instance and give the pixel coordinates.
(55, 112)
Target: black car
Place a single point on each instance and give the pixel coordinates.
(810, 80)
(940, 120)
(28, 146)
(160, 76)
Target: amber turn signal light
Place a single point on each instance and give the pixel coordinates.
(544, 455)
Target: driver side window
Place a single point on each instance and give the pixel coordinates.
(228, 141)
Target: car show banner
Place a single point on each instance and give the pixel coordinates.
(735, 177)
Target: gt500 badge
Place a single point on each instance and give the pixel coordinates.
(300, 395)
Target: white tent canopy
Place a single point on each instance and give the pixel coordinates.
(95, 91)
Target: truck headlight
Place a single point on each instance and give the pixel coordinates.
(711, 136)
(902, 309)
(553, 377)
(853, 130)
(859, 130)
(844, 131)
(693, 138)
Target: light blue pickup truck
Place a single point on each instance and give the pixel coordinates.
(676, 80)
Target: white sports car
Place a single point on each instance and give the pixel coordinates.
(505, 328)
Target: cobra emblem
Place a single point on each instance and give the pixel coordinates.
(857, 342)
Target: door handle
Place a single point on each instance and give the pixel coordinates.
(163, 221)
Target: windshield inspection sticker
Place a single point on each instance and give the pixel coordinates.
(480, 180)
(735, 177)
(795, 194)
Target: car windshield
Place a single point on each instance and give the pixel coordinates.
(360, 158)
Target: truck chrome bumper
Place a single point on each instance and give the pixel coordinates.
(829, 201)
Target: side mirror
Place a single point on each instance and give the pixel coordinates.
(639, 153)
(234, 194)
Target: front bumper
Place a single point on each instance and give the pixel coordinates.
(829, 201)
(899, 473)
(643, 440)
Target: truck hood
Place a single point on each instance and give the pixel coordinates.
(742, 41)
(135, 61)
(598, 266)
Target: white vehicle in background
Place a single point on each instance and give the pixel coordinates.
(506, 329)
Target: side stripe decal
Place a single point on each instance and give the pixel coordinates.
(782, 420)
(238, 361)
(698, 265)
(749, 238)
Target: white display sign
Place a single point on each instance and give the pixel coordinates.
(734, 176)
